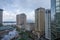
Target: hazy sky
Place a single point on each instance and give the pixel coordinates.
(13, 7)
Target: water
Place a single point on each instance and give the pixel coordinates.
(9, 23)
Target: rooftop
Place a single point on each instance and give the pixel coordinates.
(1, 9)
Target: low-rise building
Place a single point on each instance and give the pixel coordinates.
(4, 30)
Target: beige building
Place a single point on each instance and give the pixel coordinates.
(40, 21)
(21, 20)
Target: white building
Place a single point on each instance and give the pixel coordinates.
(47, 24)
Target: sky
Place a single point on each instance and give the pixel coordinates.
(13, 7)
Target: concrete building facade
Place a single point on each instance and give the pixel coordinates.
(40, 21)
(21, 20)
(48, 24)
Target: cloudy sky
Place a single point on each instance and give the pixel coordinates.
(13, 7)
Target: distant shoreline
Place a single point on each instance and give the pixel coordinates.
(11, 23)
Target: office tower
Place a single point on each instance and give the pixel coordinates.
(48, 24)
(1, 15)
(55, 9)
(21, 20)
(40, 21)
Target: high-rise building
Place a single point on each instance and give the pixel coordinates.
(48, 24)
(21, 20)
(55, 9)
(1, 15)
(40, 21)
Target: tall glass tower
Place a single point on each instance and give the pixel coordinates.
(1, 16)
(55, 9)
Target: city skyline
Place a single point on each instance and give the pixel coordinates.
(29, 19)
(14, 7)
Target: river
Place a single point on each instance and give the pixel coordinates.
(9, 23)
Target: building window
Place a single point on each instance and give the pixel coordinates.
(57, 3)
(57, 0)
(58, 29)
(57, 9)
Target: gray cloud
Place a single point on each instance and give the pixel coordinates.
(27, 6)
